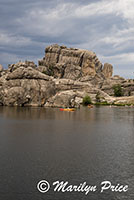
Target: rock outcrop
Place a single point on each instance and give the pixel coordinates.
(27, 73)
(126, 84)
(70, 63)
(124, 100)
(25, 64)
(25, 86)
(70, 93)
(107, 70)
(64, 76)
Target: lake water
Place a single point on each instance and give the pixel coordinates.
(88, 145)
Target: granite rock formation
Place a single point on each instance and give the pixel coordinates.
(64, 76)
(126, 84)
(70, 63)
(24, 85)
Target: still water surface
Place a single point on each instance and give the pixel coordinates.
(89, 145)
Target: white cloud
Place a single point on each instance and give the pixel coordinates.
(99, 8)
(119, 58)
(10, 40)
(118, 42)
(127, 9)
(46, 22)
(62, 19)
(118, 7)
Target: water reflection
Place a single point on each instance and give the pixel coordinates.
(83, 114)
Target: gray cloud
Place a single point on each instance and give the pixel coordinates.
(105, 27)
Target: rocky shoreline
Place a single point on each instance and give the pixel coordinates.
(61, 79)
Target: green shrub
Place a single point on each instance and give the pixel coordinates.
(86, 100)
(118, 92)
(49, 72)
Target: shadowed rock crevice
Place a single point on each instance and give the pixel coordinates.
(81, 59)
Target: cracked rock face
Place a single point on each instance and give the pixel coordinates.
(63, 62)
(107, 70)
(25, 86)
(26, 73)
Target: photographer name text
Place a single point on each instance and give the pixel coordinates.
(64, 186)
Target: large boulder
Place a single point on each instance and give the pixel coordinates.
(27, 73)
(61, 99)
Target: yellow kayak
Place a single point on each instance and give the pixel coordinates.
(67, 109)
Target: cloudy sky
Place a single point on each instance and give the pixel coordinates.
(103, 26)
